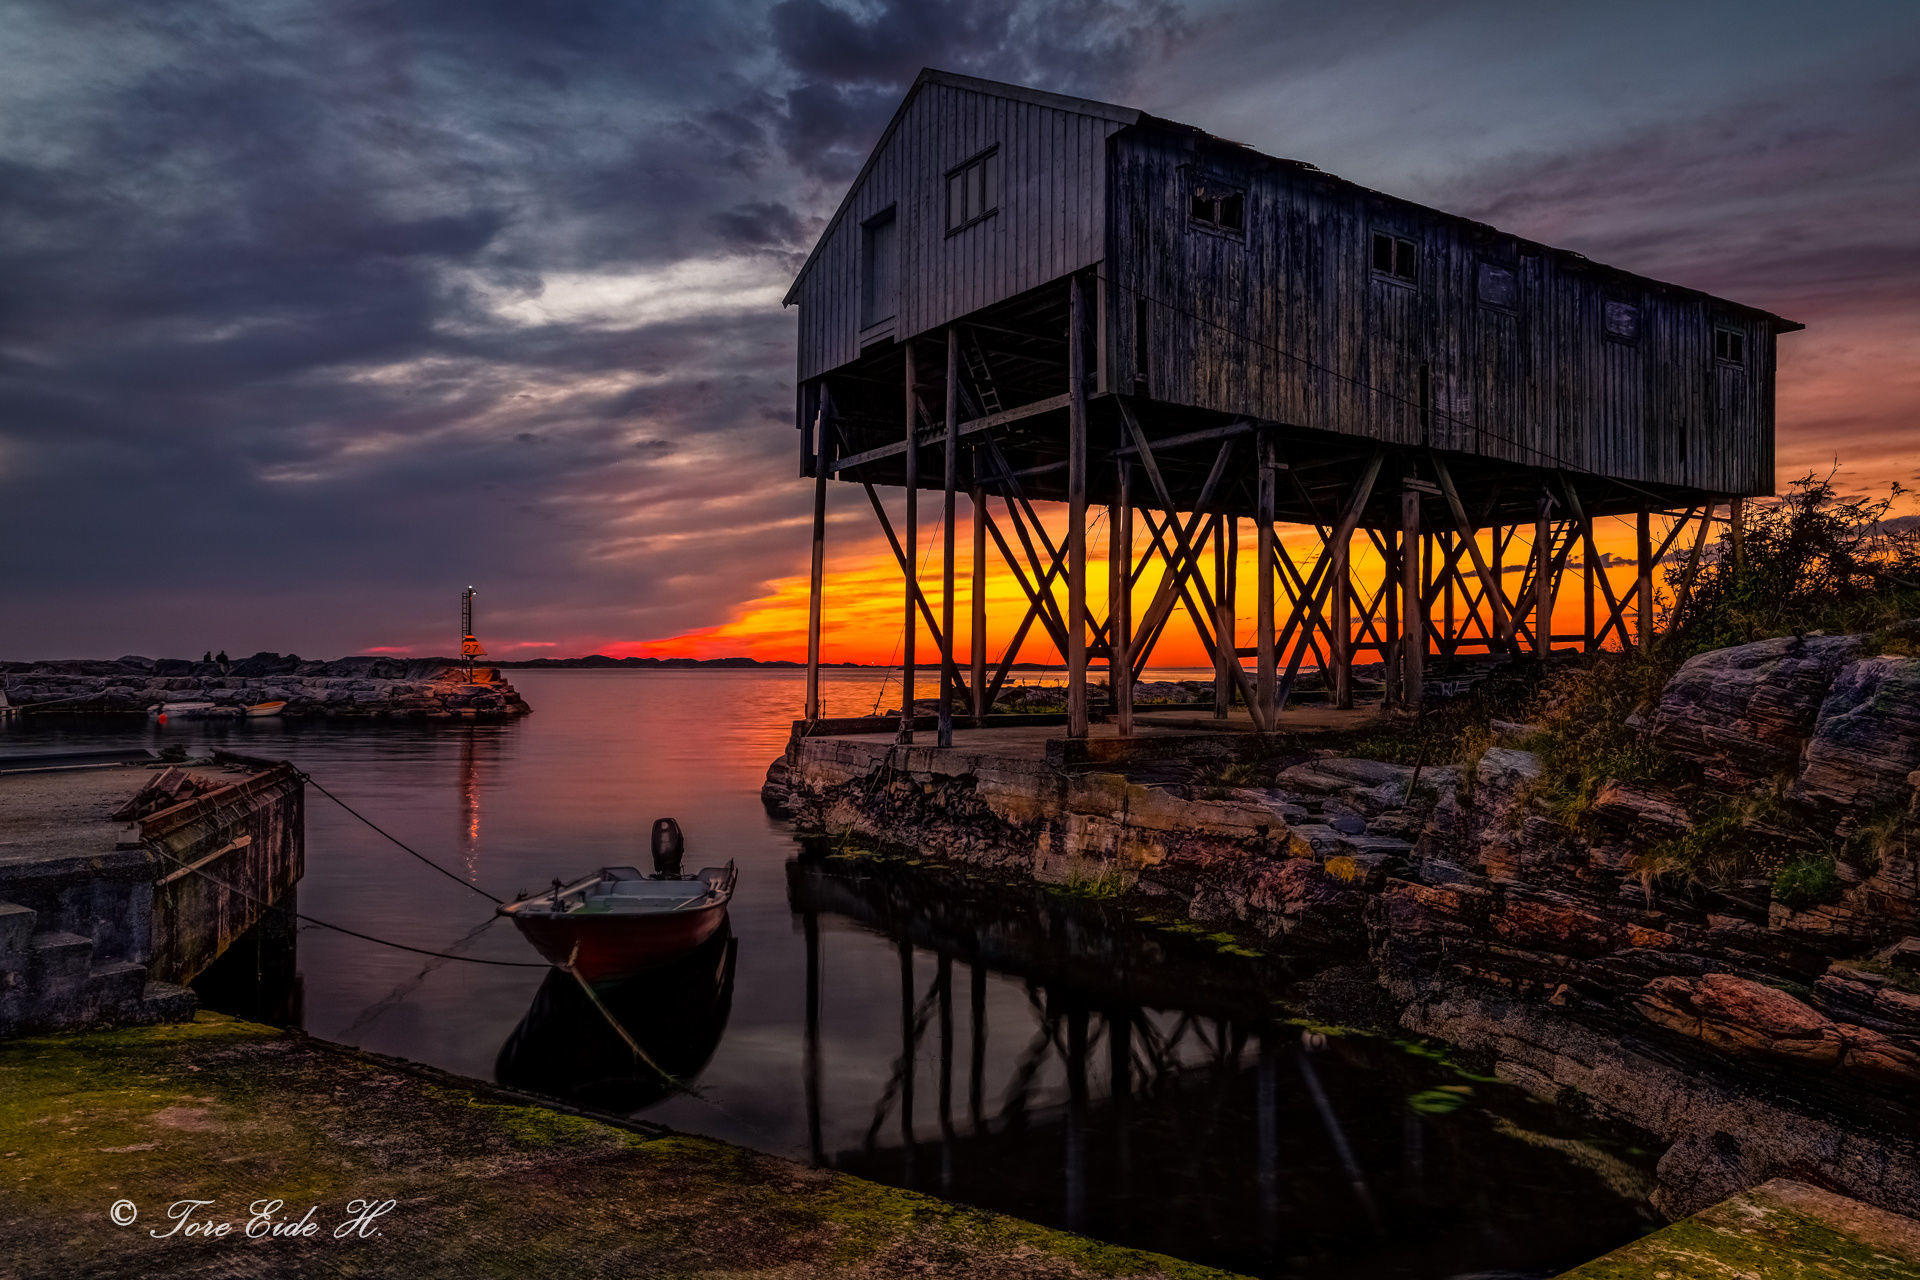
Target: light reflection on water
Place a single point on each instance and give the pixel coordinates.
(1065, 1066)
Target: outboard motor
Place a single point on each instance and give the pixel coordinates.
(668, 846)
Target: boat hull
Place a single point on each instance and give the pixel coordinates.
(603, 947)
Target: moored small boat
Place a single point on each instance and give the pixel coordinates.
(273, 708)
(165, 711)
(618, 920)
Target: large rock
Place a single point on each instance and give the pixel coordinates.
(1744, 713)
(1742, 1016)
(1865, 740)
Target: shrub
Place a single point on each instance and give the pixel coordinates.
(1806, 882)
(1813, 560)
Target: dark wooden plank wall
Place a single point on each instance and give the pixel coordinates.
(1051, 220)
(1540, 383)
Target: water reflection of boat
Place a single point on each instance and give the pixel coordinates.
(676, 1012)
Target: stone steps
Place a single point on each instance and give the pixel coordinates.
(50, 979)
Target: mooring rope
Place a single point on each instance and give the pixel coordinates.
(454, 876)
(258, 901)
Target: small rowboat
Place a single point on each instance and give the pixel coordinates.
(260, 709)
(618, 921)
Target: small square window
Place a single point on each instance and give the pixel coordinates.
(1496, 286)
(1223, 210)
(1394, 256)
(973, 190)
(1621, 320)
(1730, 345)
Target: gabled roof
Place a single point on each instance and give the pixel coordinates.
(953, 79)
(1132, 116)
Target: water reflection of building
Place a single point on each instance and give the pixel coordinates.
(567, 1047)
(1156, 1100)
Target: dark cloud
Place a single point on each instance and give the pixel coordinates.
(312, 313)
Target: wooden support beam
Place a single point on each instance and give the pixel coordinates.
(1077, 374)
(977, 600)
(949, 674)
(1413, 626)
(1266, 683)
(817, 578)
(1685, 589)
(1120, 597)
(901, 558)
(1542, 577)
(971, 428)
(1307, 609)
(1616, 609)
(1643, 579)
(1342, 638)
(1489, 577)
(1222, 686)
(909, 565)
(1040, 598)
(1589, 640)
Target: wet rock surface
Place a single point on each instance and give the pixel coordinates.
(362, 687)
(1753, 1033)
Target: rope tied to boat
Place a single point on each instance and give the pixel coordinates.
(458, 879)
(318, 923)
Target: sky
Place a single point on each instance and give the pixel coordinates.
(311, 314)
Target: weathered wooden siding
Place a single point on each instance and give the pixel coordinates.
(1051, 219)
(1290, 323)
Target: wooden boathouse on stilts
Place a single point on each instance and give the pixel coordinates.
(1029, 298)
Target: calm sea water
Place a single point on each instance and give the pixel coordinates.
(1066, 1063)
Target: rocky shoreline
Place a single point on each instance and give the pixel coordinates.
(341, 688)
(1757, 1022)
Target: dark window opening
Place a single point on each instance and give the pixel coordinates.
(1497, 287)
(1730, 345)
(973, 190)
(1394, 256)
(1622, 321)
(878, 268)
(1221, 210)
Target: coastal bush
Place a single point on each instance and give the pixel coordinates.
(1813, 559)
(1806, 882)
(1585, 739)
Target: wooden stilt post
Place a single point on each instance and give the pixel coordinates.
(1076, 654)
(1266, 682)
(1413, 602)
(1342, 656)
(948, 672)
(1588, 569)
(1449, 642)
(1390, 611)
(912, 567)
(822, 468)
(978, 601)
(1542, 578)
(1120, 598)
(1497, 577)
(1222, 686)
(1643, 584)
(1737, 532)
(1230, 607)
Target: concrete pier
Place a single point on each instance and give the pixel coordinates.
(1780, 1228)
(467, 1180)
(120, 883)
